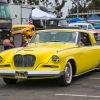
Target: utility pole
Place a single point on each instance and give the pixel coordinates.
(77, 9)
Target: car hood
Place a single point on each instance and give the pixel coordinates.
(42, 52)
(42, 48)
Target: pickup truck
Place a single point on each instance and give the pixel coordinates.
(52, 53)
(5, 21)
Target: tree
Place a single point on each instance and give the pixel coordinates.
(46, 3)
(82, 4)
(35, 2)
(95, 4)
(57, 5)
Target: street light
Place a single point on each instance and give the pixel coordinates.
(77, 8)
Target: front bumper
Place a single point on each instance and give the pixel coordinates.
(31, 73)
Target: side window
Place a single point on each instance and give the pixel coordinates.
(90, 27)
(85, 39)
(84, 27)
(4, 11)
(2, 14)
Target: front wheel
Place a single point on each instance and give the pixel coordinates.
(9, 80)
(66, 79)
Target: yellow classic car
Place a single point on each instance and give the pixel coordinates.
(21, 34)
(52, 53)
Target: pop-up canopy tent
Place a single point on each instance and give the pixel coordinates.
(75, 20)
(93, 18)
(39, 14)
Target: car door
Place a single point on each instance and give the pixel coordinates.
(86, 52)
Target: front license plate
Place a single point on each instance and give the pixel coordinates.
(21, 75)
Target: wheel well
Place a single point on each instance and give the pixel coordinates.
(73, 66)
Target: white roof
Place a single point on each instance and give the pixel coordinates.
(79, 24)
(39, 14)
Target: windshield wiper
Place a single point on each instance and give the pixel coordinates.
(4, 18)
(55, 41)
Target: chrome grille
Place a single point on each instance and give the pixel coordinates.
(24, 60)
(17, 40)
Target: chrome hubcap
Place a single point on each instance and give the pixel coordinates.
(67, 73)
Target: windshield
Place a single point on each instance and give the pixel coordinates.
(37, 23)
(57, 23)
(62, 23)
(16, 29)
(83, 27)
(4, 11)
(90, 27)
(54, 37)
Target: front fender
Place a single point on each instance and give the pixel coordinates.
(7, 42)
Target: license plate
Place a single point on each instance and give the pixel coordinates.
(21, 75)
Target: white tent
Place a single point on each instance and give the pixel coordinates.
(39, 14)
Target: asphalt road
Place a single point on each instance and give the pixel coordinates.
(85, 87)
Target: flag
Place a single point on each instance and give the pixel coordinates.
(30, 21)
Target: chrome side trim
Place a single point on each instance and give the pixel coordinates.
(32, 73)
(84, 72)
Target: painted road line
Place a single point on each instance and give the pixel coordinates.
(95, 78)
(75, 95)
(88, 85)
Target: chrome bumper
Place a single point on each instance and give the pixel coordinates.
(31, 73)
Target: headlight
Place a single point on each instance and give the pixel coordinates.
(55, 58)
(0, 58)
(24, 37)
(11, 38)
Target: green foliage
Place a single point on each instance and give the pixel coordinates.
(58, 8)
(82, 6)
(94, 5)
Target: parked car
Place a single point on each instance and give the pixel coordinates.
(89, 27)
(63, 27)
(52, 53)
(96, 26)
(20, 35)
(43, 24)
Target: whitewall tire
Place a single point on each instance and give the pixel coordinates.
(66, 79)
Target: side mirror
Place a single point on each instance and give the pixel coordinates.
(81, 44)
(25, 44)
